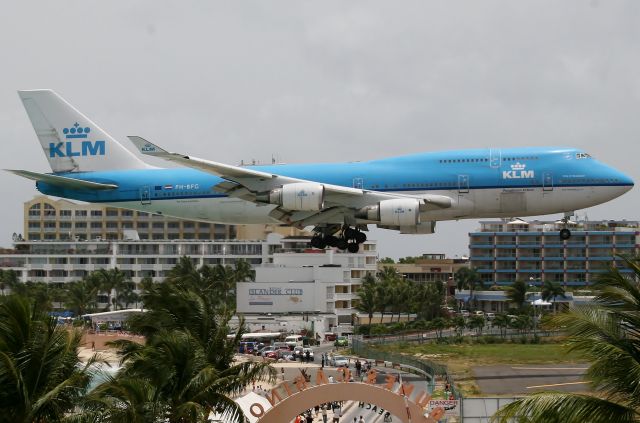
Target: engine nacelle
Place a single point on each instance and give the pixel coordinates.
(299, 196)
(396, 212)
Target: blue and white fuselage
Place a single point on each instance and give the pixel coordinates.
(483, 183)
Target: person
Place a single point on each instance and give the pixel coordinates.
(387, 417)
(322, 362)
(324, 413)
(331, 380)
(298, 419)
(317, 409)
(309, 417)
(282, 372)
(93, 345)
(361, 420)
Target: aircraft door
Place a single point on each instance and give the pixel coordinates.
(463, 184)
(145, 195)
(547, 181)
(494, 157)
(358, 183)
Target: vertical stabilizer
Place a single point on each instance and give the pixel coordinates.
(71, 142)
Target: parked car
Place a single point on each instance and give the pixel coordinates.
(297, 351)
(478, 313)
(341, 341)
(339, 361)
(266, 350)
(464, 313)
(490, 316)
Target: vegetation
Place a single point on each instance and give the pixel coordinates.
(517, 293)
(391, 293)
(607, 334)
(183, 373)
(40, 373)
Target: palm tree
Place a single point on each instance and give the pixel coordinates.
(382, 296)
(41, 375)
(110, 280)
(552, 290)
(502, 321)
(517, 293)
(467, 278)
(605, 333)
(477, 322)
(367, 296)
(80, 297)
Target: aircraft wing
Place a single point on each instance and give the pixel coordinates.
(247, 184)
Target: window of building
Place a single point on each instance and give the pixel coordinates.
(65, 213)
(65, 225)
(96, 225)
(81, 213)
(34, 225)
(96, 213)
(127, 213)
(81, 225)
(112, 212)
(143, 225)
(34, 210)
(49, 210)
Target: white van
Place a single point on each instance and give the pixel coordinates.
(293, 341)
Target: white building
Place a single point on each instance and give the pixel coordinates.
(319, 285)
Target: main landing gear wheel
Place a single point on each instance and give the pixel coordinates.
(349, 239)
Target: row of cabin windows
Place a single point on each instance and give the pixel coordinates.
(478, 160)
(418, 185)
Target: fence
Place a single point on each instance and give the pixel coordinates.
(426, 367)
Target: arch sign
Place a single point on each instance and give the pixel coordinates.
(289, 400)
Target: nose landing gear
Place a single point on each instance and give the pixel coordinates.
(565, 233)
(348, 239)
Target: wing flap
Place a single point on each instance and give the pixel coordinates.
(63, 181)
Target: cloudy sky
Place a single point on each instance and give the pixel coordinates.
(329, 81)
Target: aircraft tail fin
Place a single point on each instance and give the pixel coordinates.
(70, 140)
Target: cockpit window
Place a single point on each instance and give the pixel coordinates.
(583, 156)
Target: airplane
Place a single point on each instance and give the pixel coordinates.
(407, 193)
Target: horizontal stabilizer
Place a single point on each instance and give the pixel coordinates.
(62, 181)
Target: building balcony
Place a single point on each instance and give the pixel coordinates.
(530, 258)
(481, 245)
(506, 259)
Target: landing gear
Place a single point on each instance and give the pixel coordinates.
(565, 233)
(348, 239)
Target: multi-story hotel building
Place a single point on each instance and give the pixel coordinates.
(504, 251)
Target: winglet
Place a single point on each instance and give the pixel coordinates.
(147, 148)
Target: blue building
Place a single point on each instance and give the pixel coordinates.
(506, 251)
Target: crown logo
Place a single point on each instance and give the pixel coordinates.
(76, 131)
(518, 166)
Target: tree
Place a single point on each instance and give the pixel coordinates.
(80, 297)
(186, 369)
(109, 280)
(517, 293)
(467, 278)
(9, 279)
(460, 324)
(502, 321)
(41, 374)
(367, 296)
(606, 334)
(477, 322)
(551, 291)
(386, 260)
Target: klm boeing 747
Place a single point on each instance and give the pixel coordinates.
(407, 193)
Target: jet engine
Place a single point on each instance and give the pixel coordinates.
(299, 196)
(396, 212)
